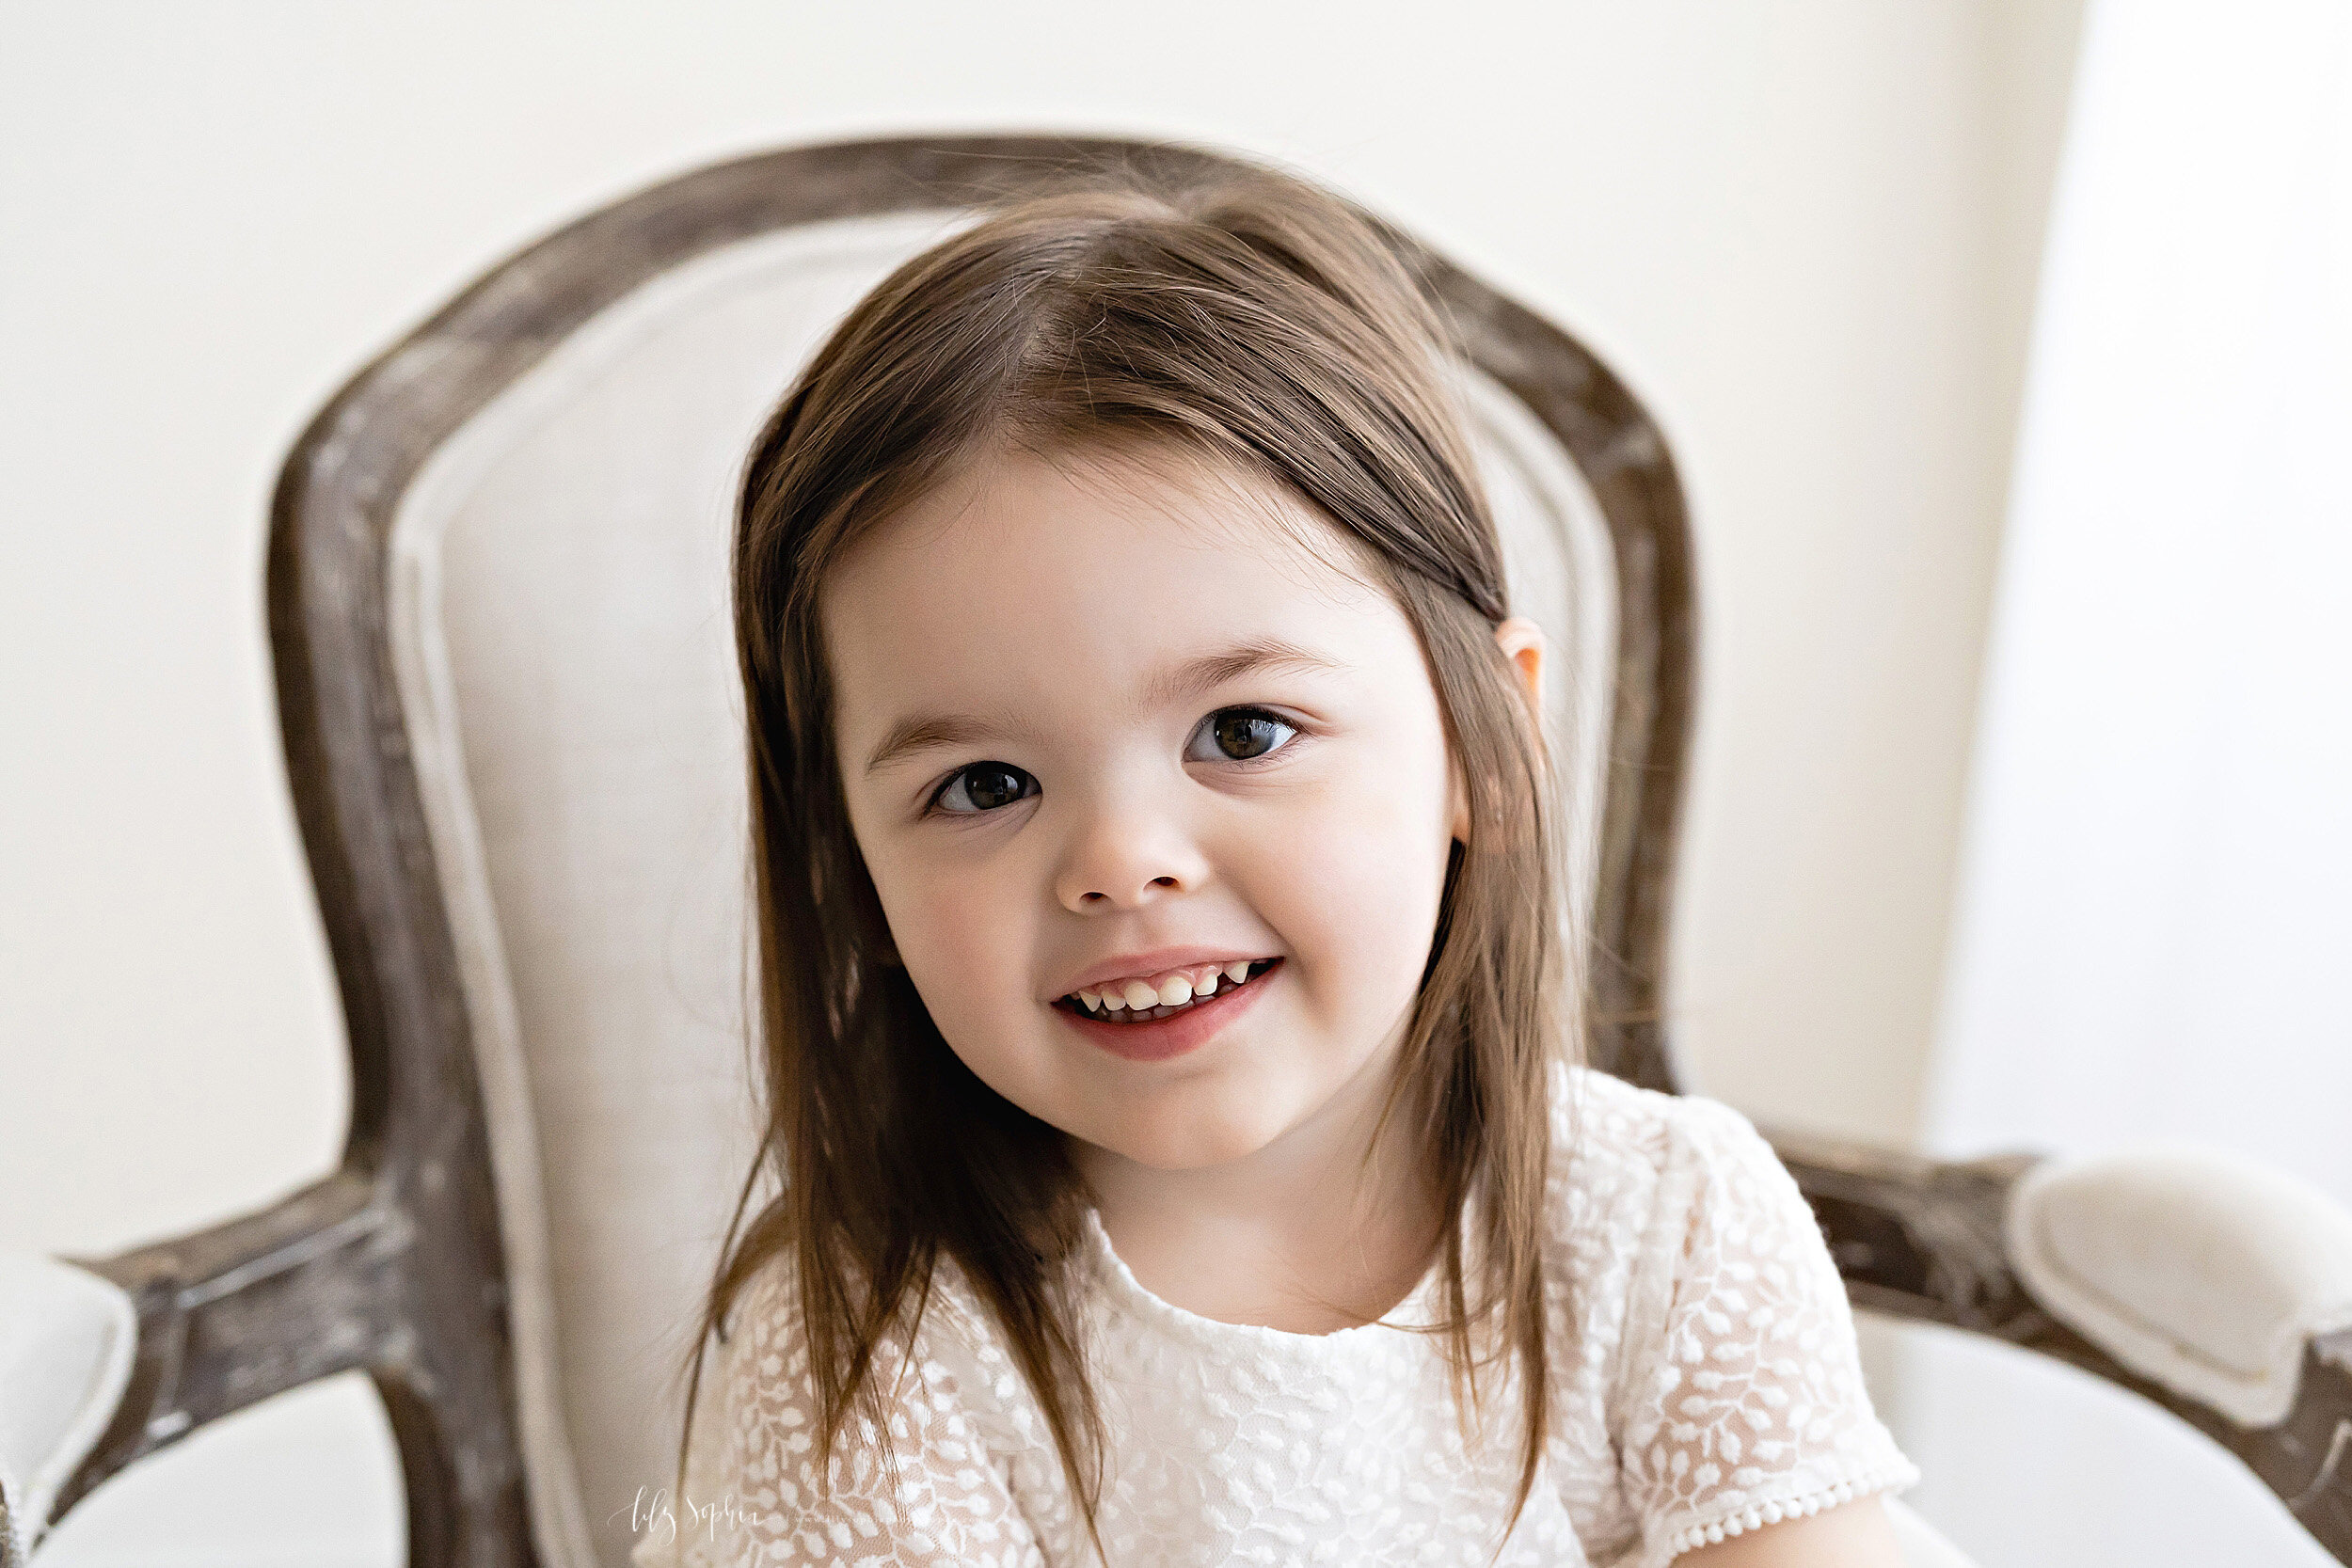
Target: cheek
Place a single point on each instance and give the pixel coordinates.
(1353, 887)
(957, 933)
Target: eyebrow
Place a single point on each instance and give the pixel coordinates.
(1266, 655)
(927, 731)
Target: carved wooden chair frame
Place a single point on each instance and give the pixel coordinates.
(393, 1265)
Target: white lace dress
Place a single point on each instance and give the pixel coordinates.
(1703, 1382)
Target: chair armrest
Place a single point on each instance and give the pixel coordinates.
(2206, 1272)
(1914, 1238)
(194, 1328)
(2143, 1273)
(66, 1343)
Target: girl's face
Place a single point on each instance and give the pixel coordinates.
(1057, 759)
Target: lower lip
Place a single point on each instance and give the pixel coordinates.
(1178, 1033)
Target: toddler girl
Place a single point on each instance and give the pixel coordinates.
(1169, 1052)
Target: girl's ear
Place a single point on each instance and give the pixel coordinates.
(1522, 641)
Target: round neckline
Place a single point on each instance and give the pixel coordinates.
(1131, 1294)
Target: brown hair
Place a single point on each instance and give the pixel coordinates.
(1267, 324)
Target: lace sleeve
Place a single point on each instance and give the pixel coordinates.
(1747, 1400)
(754, 1498)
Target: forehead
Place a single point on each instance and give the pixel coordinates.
(1072, 579)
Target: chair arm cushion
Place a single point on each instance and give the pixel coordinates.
(66, 1343)
(2203, 1270)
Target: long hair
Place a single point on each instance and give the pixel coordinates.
(1265, 322)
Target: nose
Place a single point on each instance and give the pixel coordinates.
(1126, 853)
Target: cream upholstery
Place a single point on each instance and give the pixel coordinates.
(2201, 1269)
(66, 1338)
(565, 652)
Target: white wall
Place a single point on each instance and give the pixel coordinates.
(1796, 226)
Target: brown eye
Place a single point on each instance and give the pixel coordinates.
(984, 785)
(1246, 734)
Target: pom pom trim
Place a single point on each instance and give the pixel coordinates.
(1739, 1521)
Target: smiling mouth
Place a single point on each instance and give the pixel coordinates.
(1177, 992)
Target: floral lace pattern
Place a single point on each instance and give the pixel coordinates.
(1704, 1381)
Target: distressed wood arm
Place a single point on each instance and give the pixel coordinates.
(229, 1316)
(1922, 1238)
(352, 1272)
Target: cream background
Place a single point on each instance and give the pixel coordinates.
(2150, 928)
(1808, 231)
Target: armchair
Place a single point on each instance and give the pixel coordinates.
(497, 604)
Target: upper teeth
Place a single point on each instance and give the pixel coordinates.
(1172, 990)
